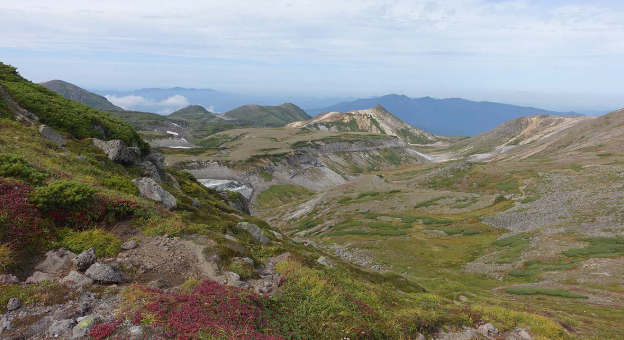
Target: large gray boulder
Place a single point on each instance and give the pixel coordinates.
(254, 231)
(85, 323)
(86, 259)
(150, 189)
(38, 277)
(14, 304)
(51, 135)
(61, 328)
(76, 279)
(155, 163)
(8, 279)
(103, 273)
(56, 261)
(117, 152)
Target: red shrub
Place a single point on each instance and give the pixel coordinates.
(102, 330)
(95, 210)
(211, 308)
(21, 224)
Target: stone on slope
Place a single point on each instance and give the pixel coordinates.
(75, 278)
(61, 328)
(56, 261)
(103, 273)
(86, 259)
(487, 330)
(14, 304)
(117, 152)
(254, 231)
(84, 325)
(8, 279)
(51, 135)
(38, 277)
(150, 189)
(129, 245)
(324, 261)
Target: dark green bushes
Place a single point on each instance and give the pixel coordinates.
(16, 166)
(104, 243)
(66, 194)
(120, 183)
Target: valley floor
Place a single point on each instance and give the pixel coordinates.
(535, 236)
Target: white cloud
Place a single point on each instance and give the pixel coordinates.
(175, 101)
(126, 102)
(330, 46)
(164, 106)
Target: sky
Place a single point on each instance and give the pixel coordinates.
(554, 54)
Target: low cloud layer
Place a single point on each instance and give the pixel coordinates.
(164, 106)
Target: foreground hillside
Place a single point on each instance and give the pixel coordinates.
(99, 241)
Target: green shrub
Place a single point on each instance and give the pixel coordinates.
(520, 273)
(6, 258)
(243, 269)
(62, 194)
(277, 195)
(120, 183)
(599, 247)
(368, 193)
(104, 243)
(16, 166)
(543, 291)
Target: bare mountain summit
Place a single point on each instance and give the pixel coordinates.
(375, 120)
(73, 92)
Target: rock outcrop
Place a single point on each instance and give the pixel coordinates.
(56, 261)
(254, 231)
(86, 259)
(150, 189)
(51, 135)
(103, 273)
(117, 152)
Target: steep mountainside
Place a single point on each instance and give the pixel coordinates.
(517, 132)
(63, 114)
(268, 116)
(73, 92)
(375, 120)
(558, 138)
(449, 117)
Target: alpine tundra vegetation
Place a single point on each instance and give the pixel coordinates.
(333, 188)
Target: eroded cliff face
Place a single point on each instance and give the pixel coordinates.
(316, 165)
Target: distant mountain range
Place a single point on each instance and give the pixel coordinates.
(214, 101)
(448, 117)
(73, 92)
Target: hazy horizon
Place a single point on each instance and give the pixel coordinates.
(556, 55)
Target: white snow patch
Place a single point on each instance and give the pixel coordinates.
(172, 133)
